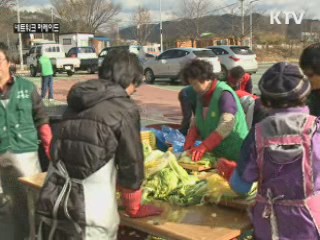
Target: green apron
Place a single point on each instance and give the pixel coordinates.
(230, 147)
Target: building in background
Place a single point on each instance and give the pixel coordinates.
(99, 43)
(70, 40)
(203, 43)
(153, 49)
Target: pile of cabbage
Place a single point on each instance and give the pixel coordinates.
(166, 180)
(207, 161)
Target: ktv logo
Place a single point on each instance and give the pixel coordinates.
(277, 16)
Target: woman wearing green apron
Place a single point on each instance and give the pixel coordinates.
(219, 120)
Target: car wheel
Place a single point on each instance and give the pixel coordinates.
(70, 73)
(13, 69)
(173, 80)
(224, 73)
(149, 76)
(33, 71)
(91, 70)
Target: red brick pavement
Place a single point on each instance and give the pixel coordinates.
(158, 104)
(62, 87)
(155, 104)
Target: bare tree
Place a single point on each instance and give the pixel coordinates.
(142, 20)
(86, 15)
(7, 3)
(192, 12)
(233, 21)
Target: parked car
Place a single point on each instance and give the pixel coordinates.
(150, 55)
(136, 49)
(169, 63)
(57, 56)
(232, 56)
(88, 58)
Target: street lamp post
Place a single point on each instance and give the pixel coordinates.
(53, 38)
(242, 17)
(251, 28)
(251, 31)
(20, 38)
(161, 39)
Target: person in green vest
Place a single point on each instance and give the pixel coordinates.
(47, 77)
(219, 120)
(310, 64)
(23, 119)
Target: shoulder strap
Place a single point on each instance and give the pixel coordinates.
(307, 163)
(260, 150)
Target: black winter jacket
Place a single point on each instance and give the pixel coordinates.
(101, 122)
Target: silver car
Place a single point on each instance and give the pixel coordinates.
(169, 63)
(232, 56)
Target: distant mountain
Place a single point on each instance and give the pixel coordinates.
(227, 25)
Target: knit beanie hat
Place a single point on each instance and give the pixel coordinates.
(284, 81)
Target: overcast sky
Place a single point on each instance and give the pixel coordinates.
(171, 8)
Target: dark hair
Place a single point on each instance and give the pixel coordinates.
(237, 72)
(121, 67)
(310, 58)
(272, 103)
(4, 49)
(199, 70)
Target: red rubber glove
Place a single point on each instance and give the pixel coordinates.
(46, 138)
(213, 141)
(192, 137)
(132, 202)
(208, 145)
(225, 168)
(198, 152)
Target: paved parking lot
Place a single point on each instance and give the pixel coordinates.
(158, 102)
(166, 83)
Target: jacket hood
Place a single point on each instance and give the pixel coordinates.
(85, 95)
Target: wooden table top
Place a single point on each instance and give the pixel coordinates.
(35, 181)
(181, 223)
(192, 223)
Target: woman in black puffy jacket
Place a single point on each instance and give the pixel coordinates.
(98, 146)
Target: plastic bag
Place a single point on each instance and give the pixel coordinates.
(172, 135)
(178, 147)
(161, 141)
(169, 136)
